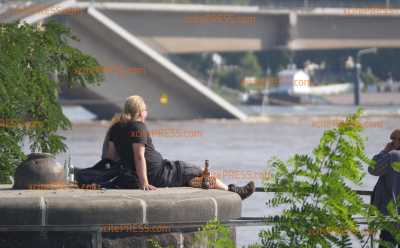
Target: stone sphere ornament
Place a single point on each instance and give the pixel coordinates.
(40, 171)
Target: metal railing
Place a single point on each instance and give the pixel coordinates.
(287, 4)
(273, 4)
(360, 192)
(257, 221)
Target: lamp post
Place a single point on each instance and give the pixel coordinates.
(358, 71)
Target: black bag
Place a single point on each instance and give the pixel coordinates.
(107, 174)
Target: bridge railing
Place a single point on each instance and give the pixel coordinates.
(287, 4)
(263, 3)
(291, 4)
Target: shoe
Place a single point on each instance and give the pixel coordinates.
(244, 191)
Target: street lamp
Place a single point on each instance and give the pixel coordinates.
(358, 71)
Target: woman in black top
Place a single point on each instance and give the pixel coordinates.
(129, 141)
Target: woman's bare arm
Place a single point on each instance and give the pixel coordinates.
(141, 167)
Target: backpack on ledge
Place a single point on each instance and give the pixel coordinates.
(107, 174)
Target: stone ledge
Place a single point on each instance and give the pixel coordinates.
(94, 207)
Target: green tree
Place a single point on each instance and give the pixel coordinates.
(230, 77)
(386, 61)
(320, 204)
(250, 66)
(34, 62)
(275, 60)
(232, 58)
(368, 77)
(215, 235)
(237, 66)
(199, 63)
(390, 223)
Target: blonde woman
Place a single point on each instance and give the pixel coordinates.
(129, 141)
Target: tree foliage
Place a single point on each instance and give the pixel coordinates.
(319, 205)
(215, 235)
(34, 61)
(390, 223)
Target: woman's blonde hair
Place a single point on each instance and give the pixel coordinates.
(134, 106)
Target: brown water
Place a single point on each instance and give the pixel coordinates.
(229, 145)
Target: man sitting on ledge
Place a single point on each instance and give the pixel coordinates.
(129, 141)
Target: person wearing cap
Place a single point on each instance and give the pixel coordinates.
(388, 186)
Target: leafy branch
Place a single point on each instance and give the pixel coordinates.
(34, 63)
(316, 194)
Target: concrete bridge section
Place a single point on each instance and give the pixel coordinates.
(117, 217)
(188, 28)
(136, 35)
(344, 28)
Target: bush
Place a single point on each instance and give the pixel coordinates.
(320, 208)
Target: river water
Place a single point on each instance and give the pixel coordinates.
(230, 145)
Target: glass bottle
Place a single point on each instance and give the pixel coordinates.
(205, 184)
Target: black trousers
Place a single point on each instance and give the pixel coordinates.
(176, 173)
(171, 174)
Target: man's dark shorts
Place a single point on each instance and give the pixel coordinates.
(175, 174)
